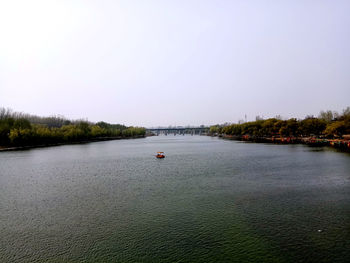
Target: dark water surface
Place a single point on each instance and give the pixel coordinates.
(209, 200)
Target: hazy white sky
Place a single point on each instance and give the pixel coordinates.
(151, 63)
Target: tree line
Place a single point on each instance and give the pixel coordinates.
(19, 129)
(329, 124)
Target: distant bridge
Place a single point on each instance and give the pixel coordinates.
(179, 130)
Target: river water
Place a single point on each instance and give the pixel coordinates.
(209, 200)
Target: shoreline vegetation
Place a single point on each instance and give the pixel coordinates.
(23, 131)
(328, 129)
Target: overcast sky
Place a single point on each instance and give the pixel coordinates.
(151, 63)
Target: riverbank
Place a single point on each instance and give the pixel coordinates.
(341, 144)
(98, 139)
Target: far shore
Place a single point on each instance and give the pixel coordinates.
(99, 139)
(341, 144)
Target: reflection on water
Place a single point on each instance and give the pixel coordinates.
(209, 200)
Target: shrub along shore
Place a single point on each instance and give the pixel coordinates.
(328, 129)
(18, 130)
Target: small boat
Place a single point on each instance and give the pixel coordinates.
(160, 155)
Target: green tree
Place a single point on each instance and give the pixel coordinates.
(22, 123)
(290, 128)
(312, 126)
(5, 127)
